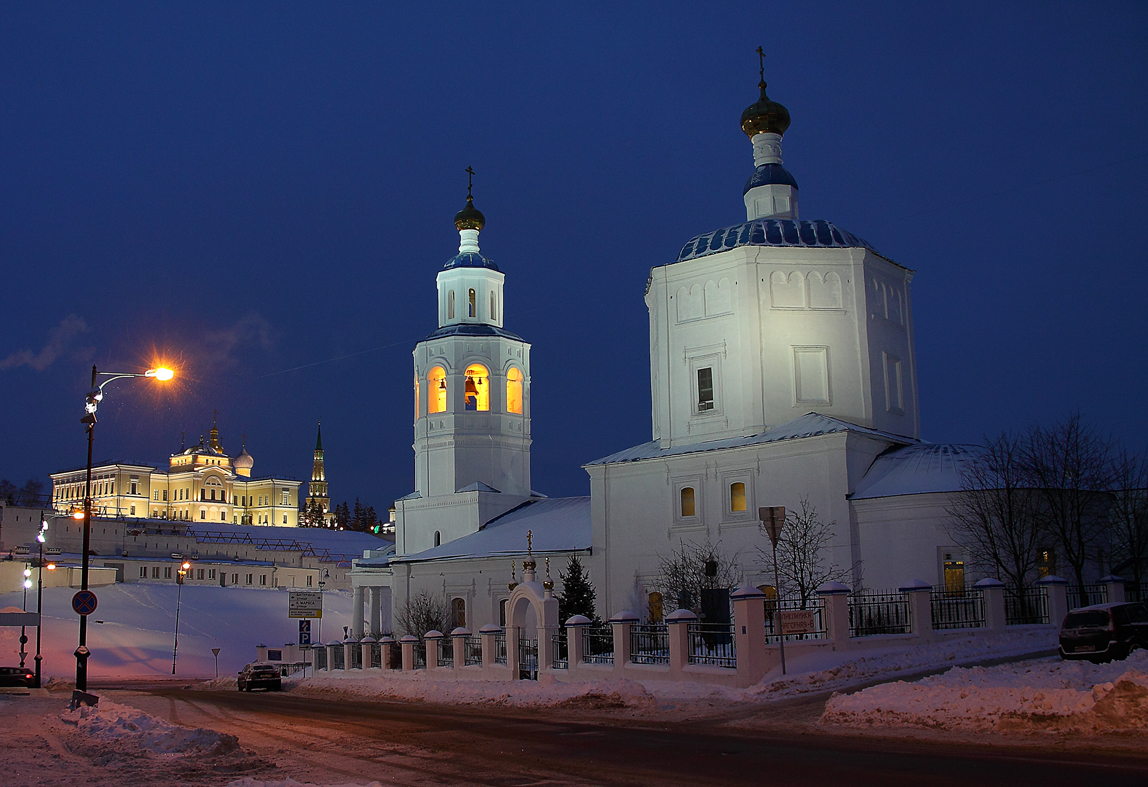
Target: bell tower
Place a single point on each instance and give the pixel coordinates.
(472, 403)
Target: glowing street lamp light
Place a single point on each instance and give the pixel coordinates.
(91, 404)
(186, 567)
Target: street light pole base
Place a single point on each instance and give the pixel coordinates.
(83, 698)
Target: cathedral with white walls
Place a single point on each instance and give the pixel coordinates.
(782, 370)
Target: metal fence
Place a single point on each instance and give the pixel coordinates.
(812, 623)
(320, 654)
(1134, 591)
(472, 651)
(421, 654)
(649, 643)
(1027, 608)
(561, 648)
(598, 645)
(337, 657)
(713, 644)
(527, 658)
(876, 612)
(957, 608)
(356, 656)
(376, 654)
(1087, 595)
(446, 652)
(500, 647)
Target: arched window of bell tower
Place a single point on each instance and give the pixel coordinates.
(417, 410)
(472, 307)
(514, 391)
(436, 390)
(437, 538)
(450, 305)
(477, 393)
(493, 308)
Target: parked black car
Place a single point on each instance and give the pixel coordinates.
(17, 676)
(1104, 631)
(255, 676)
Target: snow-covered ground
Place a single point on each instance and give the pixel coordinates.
(1038, 694)
(131, 633)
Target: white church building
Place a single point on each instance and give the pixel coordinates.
(782, 369)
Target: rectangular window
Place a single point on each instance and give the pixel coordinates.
(262, 579)
(284, 519)
(285, 497)
(737, 496)
(203, 513)
(165, 495)
(811, 375)
(199, 573)
(143, 572)
(235, 579)
(705, 389)
(155, 572)
(249, 576)
(133, 511)
(211, 573)
(894, 385)
(167, 572)
(309, 578)
(155, 495)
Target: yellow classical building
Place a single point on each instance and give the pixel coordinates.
(201, 484)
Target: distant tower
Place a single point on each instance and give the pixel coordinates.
(317, 489)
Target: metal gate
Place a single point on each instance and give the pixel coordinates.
(527, 658)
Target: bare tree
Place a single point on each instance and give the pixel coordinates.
(802, 562)
(1071, 466)
(995, 515)
(693, 569)
(425, 612)
(1129, 514)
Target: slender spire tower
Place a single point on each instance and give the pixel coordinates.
(317, 489)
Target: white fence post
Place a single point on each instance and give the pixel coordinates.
(386, 645)
(679, 635)
(993, 593)
(488, 633)
(622, 622)
(1115, 587)
(407, 643)
(749, 634)
(458, 644)
(1056, 593)
(431, 640)
(835, 607)
(576, 640)
(918, 594)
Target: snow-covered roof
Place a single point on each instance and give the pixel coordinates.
(342, 542)
(808, 425)
(916, 469)
(558, 524)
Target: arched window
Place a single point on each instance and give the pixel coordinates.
(436, 390)
(477, 387)
(450, 305)
(458, 612)
(437, 538)
(514, 391)
(737, 496)
(417, 411)
(472, 305)
(493, 308)
(687, 496)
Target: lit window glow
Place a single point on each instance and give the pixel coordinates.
(514, 391)
(436, 390)
(477, 387)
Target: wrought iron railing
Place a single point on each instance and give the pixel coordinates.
(356, 656)
(810, 624)
(446, 652)
(649, 643)
(320, 654)
(561, 648)
(712, 644)
(376, 655)
(500, 647)
(1134, 591)
(420, 654)
(873, 613)
(956, 608)
(337, 657)
(527, 658)
(472, 651)
(1028, 607)
(1087, 595)
(598, 645)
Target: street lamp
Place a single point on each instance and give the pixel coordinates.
(178, 594)
(91, 403)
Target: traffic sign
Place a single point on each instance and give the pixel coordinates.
(773, 518)
(84, 602)
(215, 652)
(305, 604)
(305, 632)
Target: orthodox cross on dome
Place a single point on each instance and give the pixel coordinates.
(761, 64)
(529, 541)
(469, 181)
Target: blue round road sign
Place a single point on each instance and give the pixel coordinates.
(84, 602)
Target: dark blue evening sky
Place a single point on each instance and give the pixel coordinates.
(263, 193)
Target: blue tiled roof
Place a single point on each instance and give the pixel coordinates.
(472, 329)
(469, 260)
(768, 174)
(772, 232)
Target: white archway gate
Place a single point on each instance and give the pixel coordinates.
(531, 623)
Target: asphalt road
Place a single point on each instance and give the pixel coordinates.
(336, 741)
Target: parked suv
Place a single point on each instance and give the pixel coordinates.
(255, 676)
(1104, 631)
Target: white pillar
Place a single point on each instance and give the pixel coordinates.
(375, 626)
(357, 612)
(919, 594)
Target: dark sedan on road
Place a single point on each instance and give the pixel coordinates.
(256, 676)
(17, 676)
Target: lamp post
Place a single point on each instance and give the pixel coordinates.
(41, 537)
(178, 594)
(23, 633)
(91, 403)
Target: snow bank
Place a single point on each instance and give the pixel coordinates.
(110, 722)
(1039, 694)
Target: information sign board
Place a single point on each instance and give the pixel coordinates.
(798, 621)
(305, 604)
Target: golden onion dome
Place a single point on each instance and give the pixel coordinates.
(765, 116)
(470, 217)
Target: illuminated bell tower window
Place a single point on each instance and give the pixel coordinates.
(514, 391)
(417, 412)
(477, 387)
(436, 390)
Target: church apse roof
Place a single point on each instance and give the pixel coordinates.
(809, 425)
(917, 469)
(791, 233)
